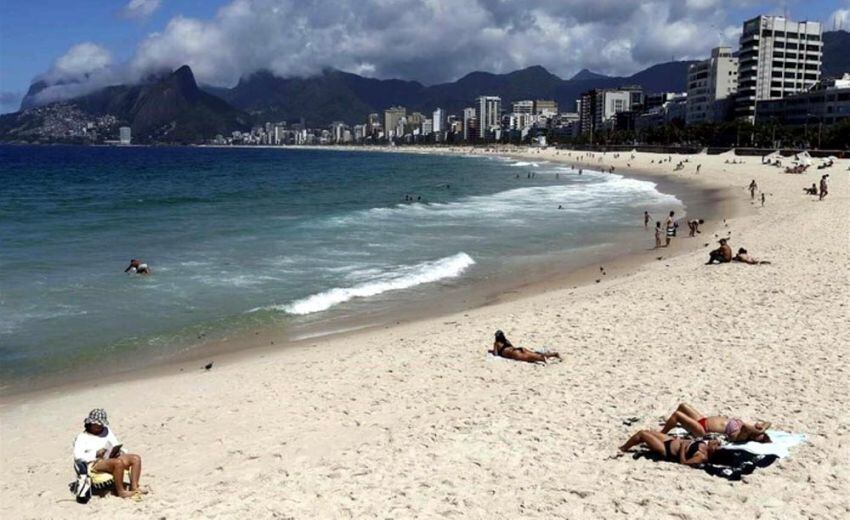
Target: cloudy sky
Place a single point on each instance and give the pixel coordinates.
(79, 46)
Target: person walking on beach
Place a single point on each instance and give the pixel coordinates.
(762, 199)
(753, 187)
(671, 227)
(658, 234)
(824, 188)
(646, 219)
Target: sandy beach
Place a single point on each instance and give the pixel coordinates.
(416, 420)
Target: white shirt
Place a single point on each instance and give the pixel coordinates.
(87, 445)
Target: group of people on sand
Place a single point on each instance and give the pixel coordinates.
(723, 255)
(703, 444)
(670, 229)
(824, 188)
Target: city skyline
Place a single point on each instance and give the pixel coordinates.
(219, 40)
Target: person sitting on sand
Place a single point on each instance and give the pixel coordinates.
(693, 226)
(811, 191)
(673, 449)
(504, 348)
(138, 267)
(746, 258)
(92, 447)
(721, 255)
(698, 425)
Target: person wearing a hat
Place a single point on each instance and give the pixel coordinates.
(98, 447)
(722, 254)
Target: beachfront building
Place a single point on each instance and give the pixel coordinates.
(825, 104)
(488, 112)
(125, 135)
(777, 58)
(523, 107)
(469, 122)
(439, 120)
(392, 116)
(711, 83)
(599, 107)
(545, 107)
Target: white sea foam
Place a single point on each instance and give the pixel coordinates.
(524, 163)
(401, 278)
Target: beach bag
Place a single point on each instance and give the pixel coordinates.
(82, 487)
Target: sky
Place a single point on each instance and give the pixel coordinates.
(80, 45)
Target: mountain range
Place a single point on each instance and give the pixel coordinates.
(171, 107)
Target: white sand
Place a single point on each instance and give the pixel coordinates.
(416, 421)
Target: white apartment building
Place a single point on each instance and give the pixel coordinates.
(523, 107)
(392, 116)
(439, 120)
(777, 58)
(710, 81)
(488, 111)
(125, 135)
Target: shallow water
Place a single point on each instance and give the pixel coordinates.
(239, 238)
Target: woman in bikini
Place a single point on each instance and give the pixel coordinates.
(683, 451)
(503, 348)
(698, 424)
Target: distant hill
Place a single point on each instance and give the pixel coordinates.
(336, 95)
(836, 53)
(170, 108)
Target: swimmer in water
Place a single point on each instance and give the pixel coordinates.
(137, 267)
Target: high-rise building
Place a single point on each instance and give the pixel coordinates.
(125, 135)
(488, 112)
(545, 107)
(523, 107)
(468, 115)
(439, 120)
(710, 81)
(599, 107)
(392, 116)
(777, 58)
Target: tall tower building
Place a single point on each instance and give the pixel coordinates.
(488, 112)
(709, 81)
(468, 119)
(777, 58)
(439, 119)
(392, 116)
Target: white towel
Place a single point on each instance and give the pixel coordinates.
(780, 444)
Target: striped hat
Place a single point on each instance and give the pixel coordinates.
(97, 416)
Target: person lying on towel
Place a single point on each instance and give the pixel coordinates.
(698, 424)
(99, 449)
(503, 348)
(674, 449)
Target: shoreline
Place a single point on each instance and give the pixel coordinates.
(416, 420)
(711, 203)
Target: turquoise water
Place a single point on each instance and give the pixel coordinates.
(239, 238)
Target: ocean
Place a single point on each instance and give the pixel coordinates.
(299, 241)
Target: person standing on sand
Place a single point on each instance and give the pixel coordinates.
(753, 187)
(646, 219)
(658, 234)
(824, 188)
(762, 199)
(671, 228)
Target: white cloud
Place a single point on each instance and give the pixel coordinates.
(82, 59)
(433, 40)
(140, 9)
(839, 19)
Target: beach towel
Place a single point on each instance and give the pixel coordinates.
(780, 444)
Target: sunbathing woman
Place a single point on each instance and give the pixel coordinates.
(744, 257)
(503, 348)
(674, 449)
(699, 424)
